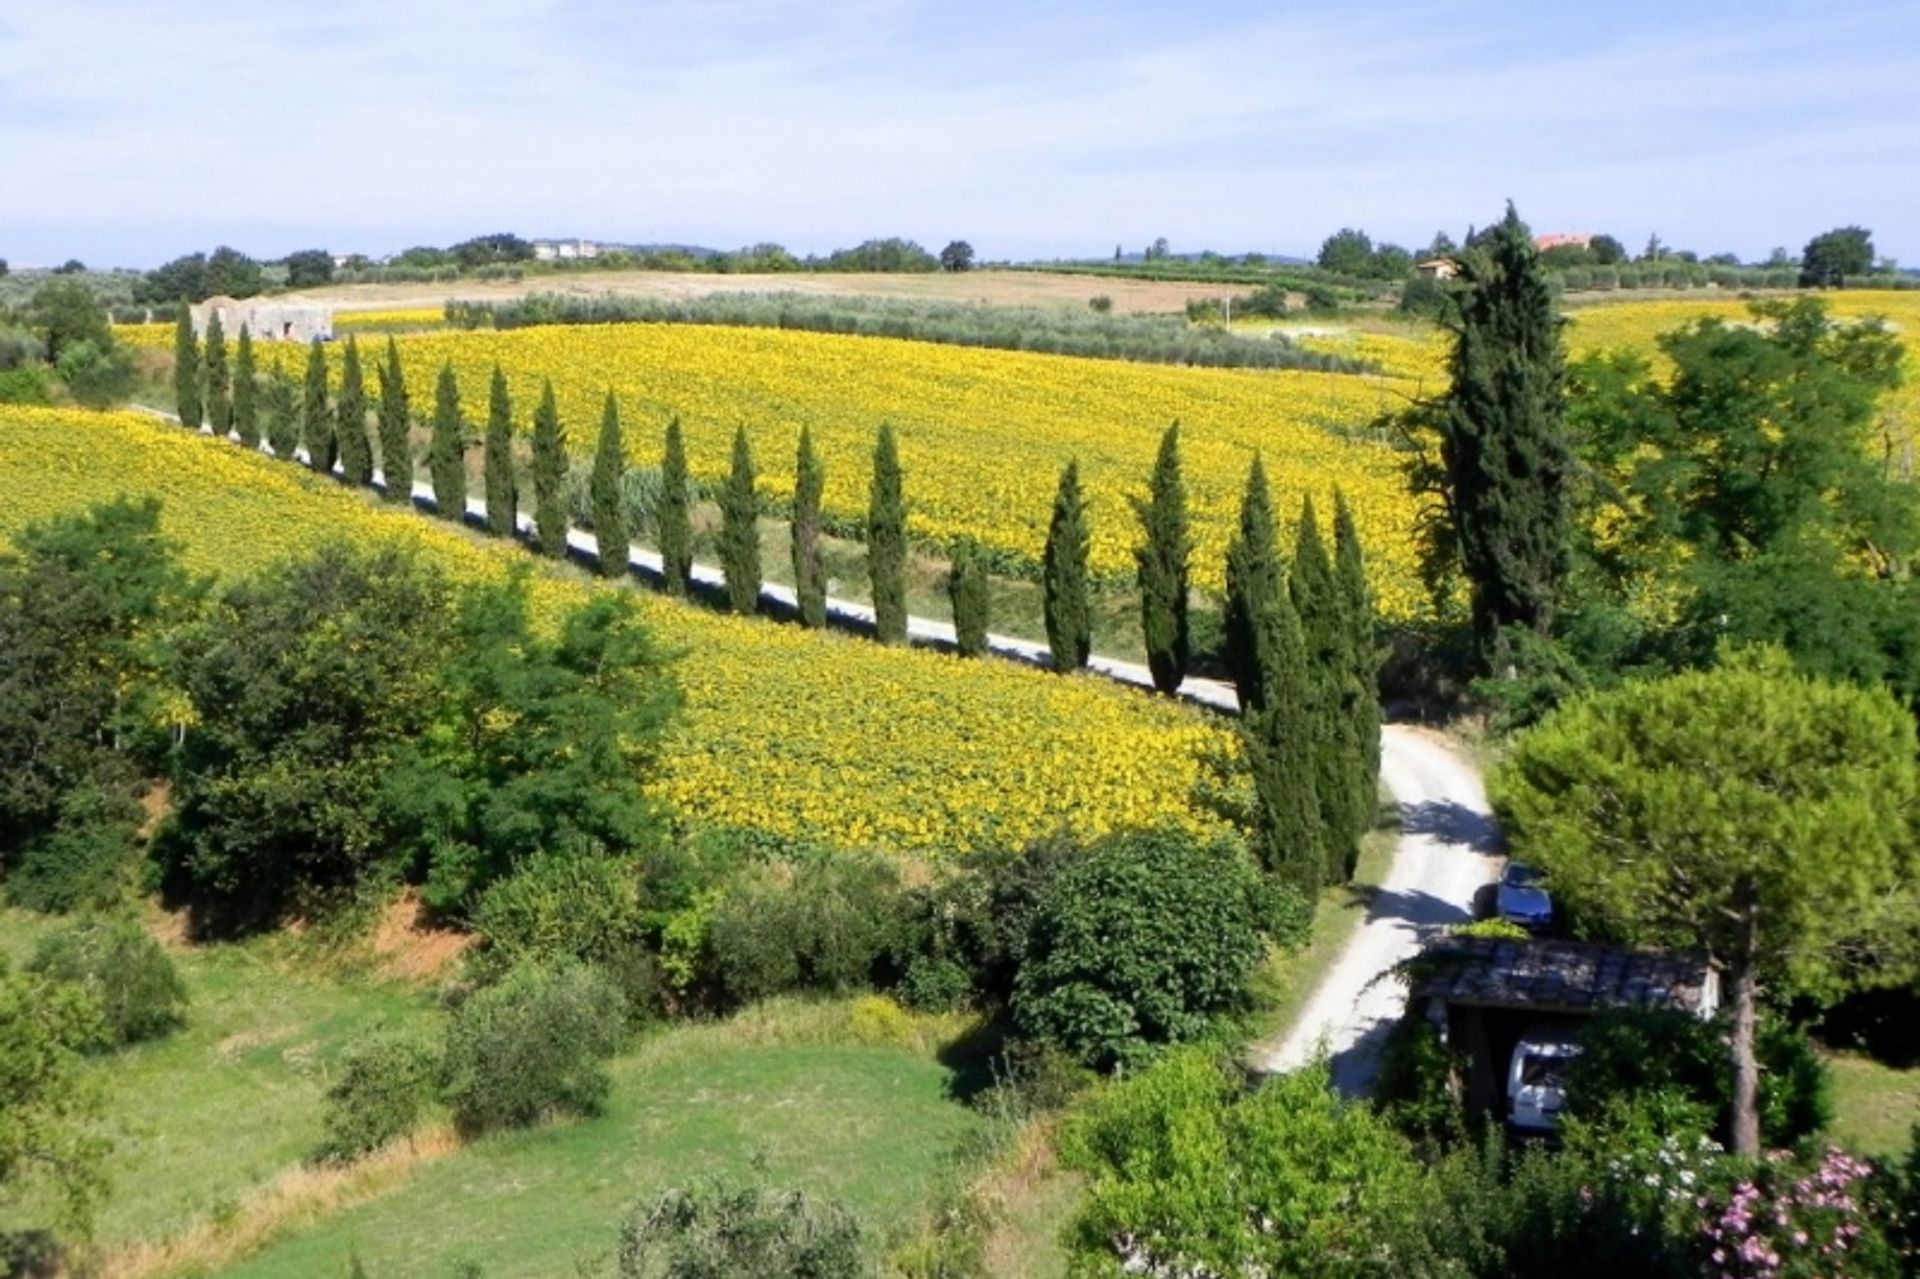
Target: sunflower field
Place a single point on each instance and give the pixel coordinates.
(786, 733)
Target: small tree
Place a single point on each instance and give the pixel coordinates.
(1253, 580)
(608, 493)
(186, 373)
(350, 420)
(124, 970)
(549, 476)
(384, 1082)
(1748, 812)
(396, 449)
(316, 420)
(1162, 560)
(503, 488)
(48, 1114)
(246, 393)
(1834, 255)
(809, 578)
(887, 542)
(674, 518)
(1069, 610)
(971, 600)
(447, 451)
(283, 413)
(219, 405)
(533, 1046)
(715, 1229)
(740, 530)
(957, 256)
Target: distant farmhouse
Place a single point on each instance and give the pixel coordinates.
(565, 250)
(1438, 268)
(266, 321)
(1564, 240)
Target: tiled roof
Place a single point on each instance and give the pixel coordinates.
(1564, 976)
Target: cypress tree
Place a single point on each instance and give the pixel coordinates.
(503, 490)
(316, 421)
(447, 451)
(186, 373)
(1324, 633)
(283, 414)
(1503, 441)
(549, 477)
(887, 541)
(1253, 578)
(608, 493)
(1280, 742)
(740, 530)
(809, 579)
(396, 449)
(1163, 569)
(350, 420)
(246, 393)
(219, 387)
(1363, 658)
(675, 514)
(1069, 612)
(967, 589)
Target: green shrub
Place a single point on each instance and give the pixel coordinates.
(531, 1046)
(140, 996)
(877, 1020)
(1415, 1083)
(82, 862)
(717, 1231)
(558, 907)
(384, 1083)
(1139, 942)
(28, 385)
(817, 921)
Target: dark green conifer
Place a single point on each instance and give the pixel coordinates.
(219, 387)
(674, 518)
(1163, 568)
(246, 393)
(447, 450)
(971, 599)
(1281, 753)
(809, 578)
(503, 488)
(1253, 578)
(887, 541)
(1324, 631)
(549, 476)
(1069, 608)
(350, 420)
(186, 373)
(316, 417)
(740, 530)
(1363, 657)
(607, 493)
(396, 422)
(283, 414)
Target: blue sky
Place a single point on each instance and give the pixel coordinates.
(134, 131)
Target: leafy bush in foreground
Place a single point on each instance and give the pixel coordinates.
(715, 1230)
(533, 1046)
(384, 1083)
(124, 970)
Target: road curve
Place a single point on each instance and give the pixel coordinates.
(1447, 853)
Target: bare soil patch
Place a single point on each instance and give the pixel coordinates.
(409, 949)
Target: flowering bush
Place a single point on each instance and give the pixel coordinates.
(1789, 1221)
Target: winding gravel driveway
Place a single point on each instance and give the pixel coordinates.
(1446, 855)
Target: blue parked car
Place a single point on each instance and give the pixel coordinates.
(1519, 899)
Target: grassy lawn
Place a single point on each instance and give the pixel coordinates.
(1875, 1105)
(871, 1125)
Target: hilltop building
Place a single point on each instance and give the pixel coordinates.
(266, 320)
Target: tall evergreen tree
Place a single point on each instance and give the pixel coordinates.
(1280, 742)
(1163, 569)
(1324, 633)
(809, 578)
(1253, 578)
(503, 489)
(549, 476)
(447, 450)
(971, 600)
(186, 373)
(350, 420)
(1069, 610)
(1363, 659)
(1503, 445)
(887, 541)
(246, 392)
(283, 414)
(740, 530)
(316, 418)
(219, 387)
(607, 492)
(396, 421)
(674, 518)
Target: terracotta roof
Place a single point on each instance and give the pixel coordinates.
(1564, 976)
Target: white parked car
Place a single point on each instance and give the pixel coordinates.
(1537, 1079)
